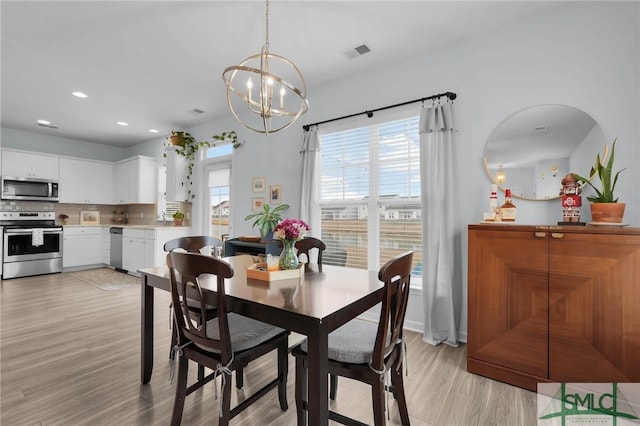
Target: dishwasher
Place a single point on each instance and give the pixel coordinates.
(115, 259)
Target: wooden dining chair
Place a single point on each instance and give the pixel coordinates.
(368, 352)
(222, 344)
(305, 245)
(192, 244)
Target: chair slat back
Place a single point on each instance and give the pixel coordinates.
(185, 269)
(308, 243)
(192, 244)
(396, 275)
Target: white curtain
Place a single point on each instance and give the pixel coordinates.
(441, 284)
(309, 207)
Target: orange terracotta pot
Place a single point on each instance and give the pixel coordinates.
(607, 212)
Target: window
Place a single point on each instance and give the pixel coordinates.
(370, 193)
(219, 184)
(218, 172)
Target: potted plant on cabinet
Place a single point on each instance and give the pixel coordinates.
(267, 220)
(178, 217)
(605, 207)
(185, 145)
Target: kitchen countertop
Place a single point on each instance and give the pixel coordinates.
(119, 225)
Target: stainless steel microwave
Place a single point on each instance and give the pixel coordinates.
(32, 189)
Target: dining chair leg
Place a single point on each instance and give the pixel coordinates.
(239, 378)
(377, 396)
(301, 390)
(283, 367)
(200, 372)
(181, 391)
(224, 418)
(398, 392)
(333, 386)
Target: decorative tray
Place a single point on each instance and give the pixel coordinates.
(259, 271)
(249, 239)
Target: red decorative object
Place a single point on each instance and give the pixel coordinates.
(571, 199)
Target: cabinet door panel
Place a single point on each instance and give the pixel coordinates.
(594, 316)
(508, 291)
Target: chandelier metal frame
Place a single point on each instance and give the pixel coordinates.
(264, 105)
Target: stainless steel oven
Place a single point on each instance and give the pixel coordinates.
(31, 244)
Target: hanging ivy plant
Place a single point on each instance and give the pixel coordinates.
(185, 145)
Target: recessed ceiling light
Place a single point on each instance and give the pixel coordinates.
(79, 95)
(45, 122)
(122, 123)
(153, 130)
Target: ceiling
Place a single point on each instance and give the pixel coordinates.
(151, 63)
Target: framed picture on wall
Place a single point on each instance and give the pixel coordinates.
(89, 217)
(258, 184)
(256, 204)
(275, 194)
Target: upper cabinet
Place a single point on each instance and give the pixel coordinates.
(176, 175)
(86, 181)
(22, 164)
(136, 181)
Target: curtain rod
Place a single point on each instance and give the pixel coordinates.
(369, 113)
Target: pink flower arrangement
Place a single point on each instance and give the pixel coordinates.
(291, 230)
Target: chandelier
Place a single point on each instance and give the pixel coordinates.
(270, 86)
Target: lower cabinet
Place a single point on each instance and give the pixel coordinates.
(143, 248)
(550, 304)
(138, 247)
(82, 246)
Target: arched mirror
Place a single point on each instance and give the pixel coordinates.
(532, 150)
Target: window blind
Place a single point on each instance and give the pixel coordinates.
(370, 193)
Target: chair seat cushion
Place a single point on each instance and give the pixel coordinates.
(245, 332)
(351, 343)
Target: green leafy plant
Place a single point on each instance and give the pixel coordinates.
(178, 215)
(268, 218)
(604, 172)
(188, 148)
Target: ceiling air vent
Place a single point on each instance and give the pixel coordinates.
(542, 129)
(197, 111)
(357, 51)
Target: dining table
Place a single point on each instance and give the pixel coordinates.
(315, 303)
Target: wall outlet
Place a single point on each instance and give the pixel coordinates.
(141, 215)
(188, 215)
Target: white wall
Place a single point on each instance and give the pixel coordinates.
(584, 55)
(30, 141)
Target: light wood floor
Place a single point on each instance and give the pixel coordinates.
(70, 355)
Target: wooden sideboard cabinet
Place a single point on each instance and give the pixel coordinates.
(554, 304)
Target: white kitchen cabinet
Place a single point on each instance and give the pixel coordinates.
(136, 181)
(86, 181)
(144, 248)
(138, 247)
(30, 165)
(82, 246)
(162, 236)
(176, 175)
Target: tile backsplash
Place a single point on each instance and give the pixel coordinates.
(135, 214)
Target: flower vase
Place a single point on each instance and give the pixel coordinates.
(288, 258)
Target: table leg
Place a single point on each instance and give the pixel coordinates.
(317, 357)
(146, 342)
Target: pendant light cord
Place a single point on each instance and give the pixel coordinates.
(266, 35)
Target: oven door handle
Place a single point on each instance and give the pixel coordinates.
(30, 231)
